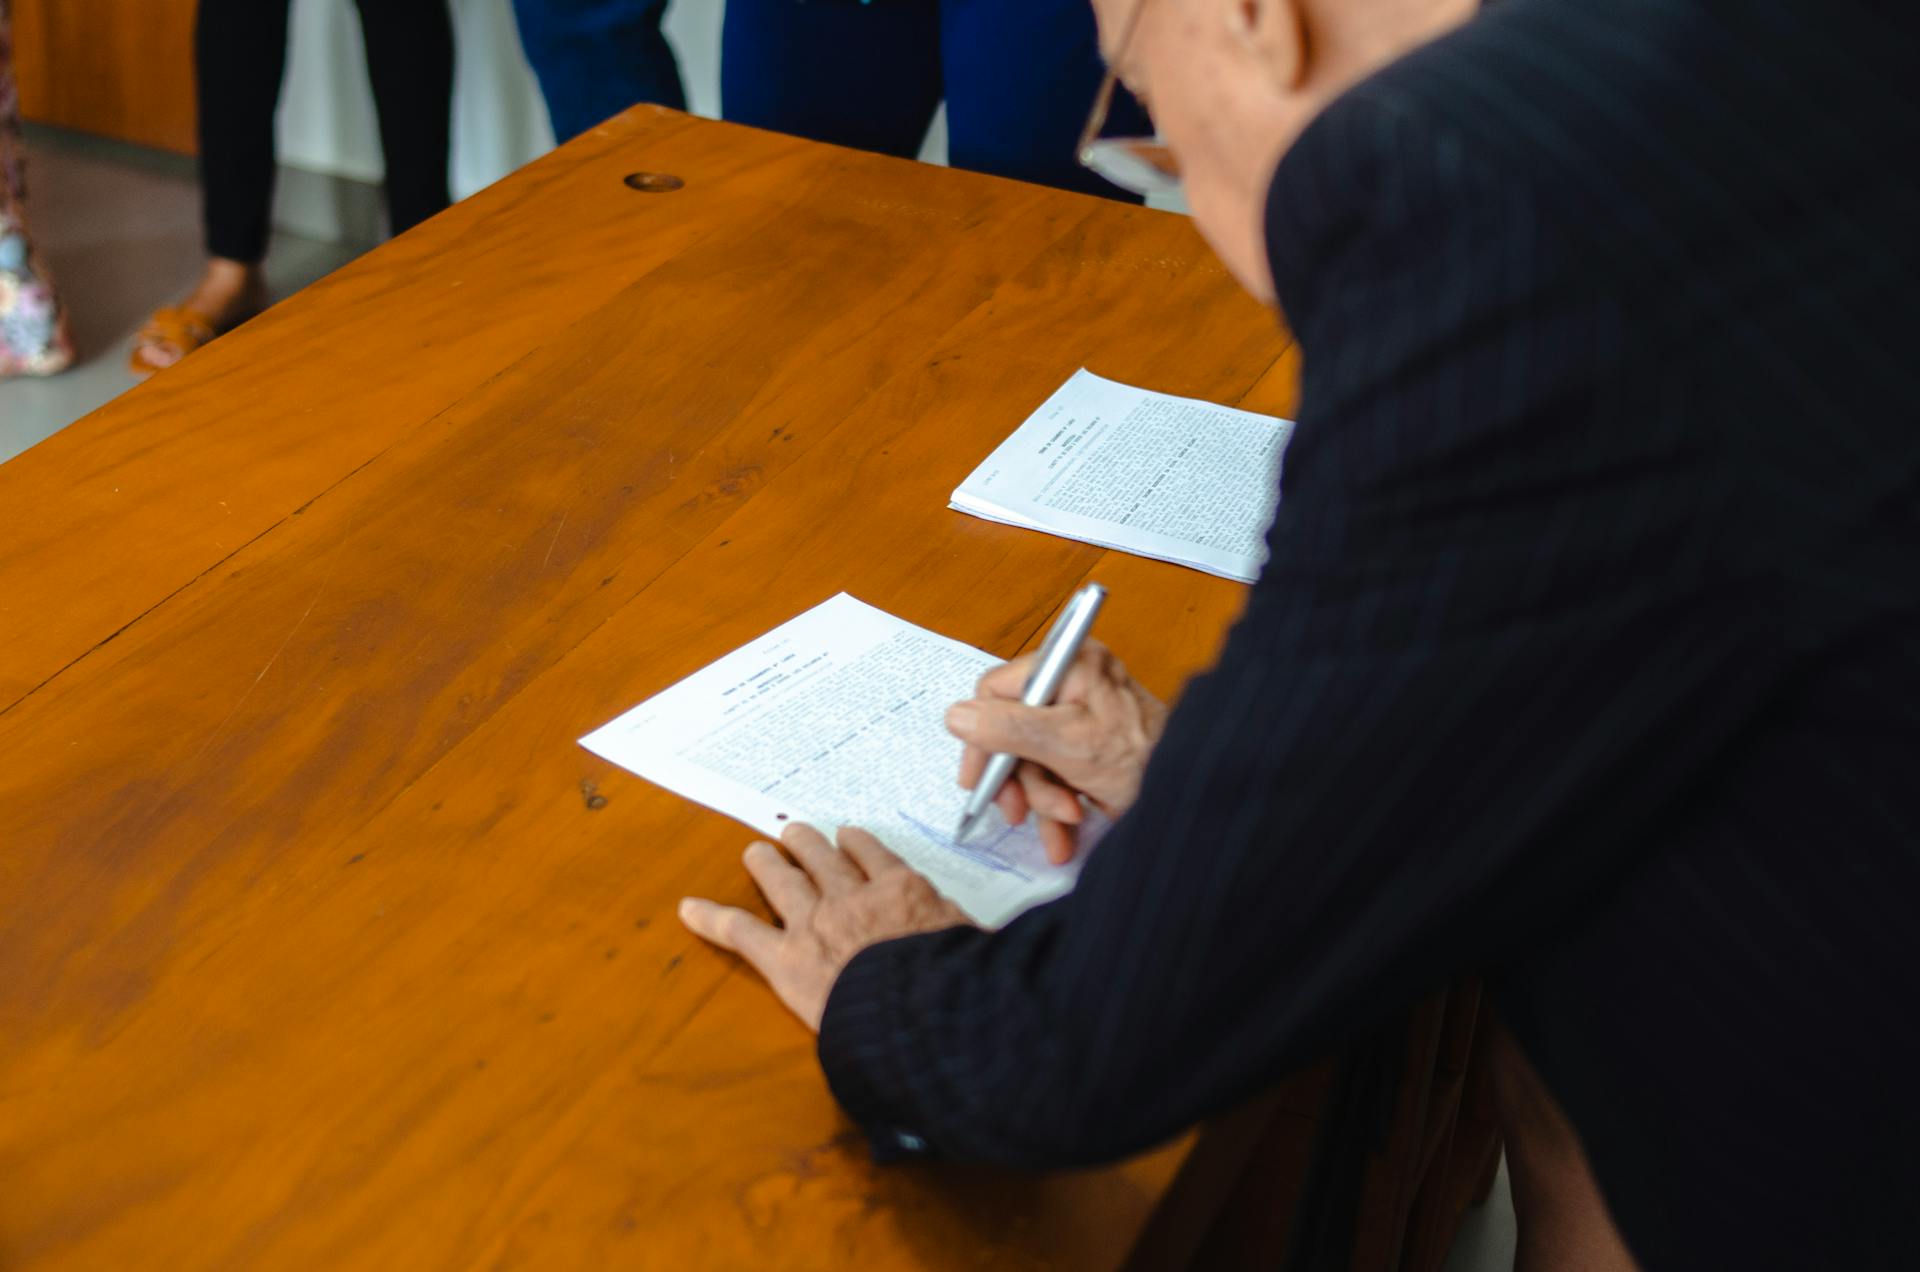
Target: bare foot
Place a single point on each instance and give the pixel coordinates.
(229, 293)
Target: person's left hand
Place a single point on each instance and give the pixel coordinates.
(832, 905)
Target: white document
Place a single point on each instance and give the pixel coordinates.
(1159, 476)
(836, 719)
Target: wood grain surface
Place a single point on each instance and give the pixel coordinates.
(118, 68)
(313, 952)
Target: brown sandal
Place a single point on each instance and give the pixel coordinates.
(184, 329)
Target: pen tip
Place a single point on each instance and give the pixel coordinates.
(960, 835)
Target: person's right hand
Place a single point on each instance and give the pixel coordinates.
(1093, 742)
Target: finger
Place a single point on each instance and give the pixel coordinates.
(830, 869)
(1008, 680)
(871, 855)
(732, 928)
(788, 890)
(1013, 803)
(1032, 733)
(1050, 803)
(1047, 796)
(1015, 799)
(1059, 840)
(973, 762)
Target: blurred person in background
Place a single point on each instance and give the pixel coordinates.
(33, 329)
(240, 56)
(1016, 76)
(595, 58)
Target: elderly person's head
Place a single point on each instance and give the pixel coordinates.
(1231, 83)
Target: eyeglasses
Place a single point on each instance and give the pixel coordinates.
(1140, 165)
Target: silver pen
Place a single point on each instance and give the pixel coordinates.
(1057, 653)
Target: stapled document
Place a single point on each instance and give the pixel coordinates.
(1159, 476)
(836, 719)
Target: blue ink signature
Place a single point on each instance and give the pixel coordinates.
(984, 849)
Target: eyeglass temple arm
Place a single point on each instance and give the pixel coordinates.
(1103, 100)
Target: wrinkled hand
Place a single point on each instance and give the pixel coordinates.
(1093, 742)
(832, 904)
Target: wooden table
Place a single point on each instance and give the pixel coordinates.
(314, 950)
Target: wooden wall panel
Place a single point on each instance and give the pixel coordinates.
(118, 68)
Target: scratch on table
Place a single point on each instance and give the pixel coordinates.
(556, 539)
(262, 673)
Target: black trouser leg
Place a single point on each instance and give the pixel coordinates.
(240, 54)
(410, 61)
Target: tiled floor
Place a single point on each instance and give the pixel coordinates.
(121, 232)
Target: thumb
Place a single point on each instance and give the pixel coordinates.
(1029, 732)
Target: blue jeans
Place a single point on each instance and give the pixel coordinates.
(1018, 77)
(595, 58)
